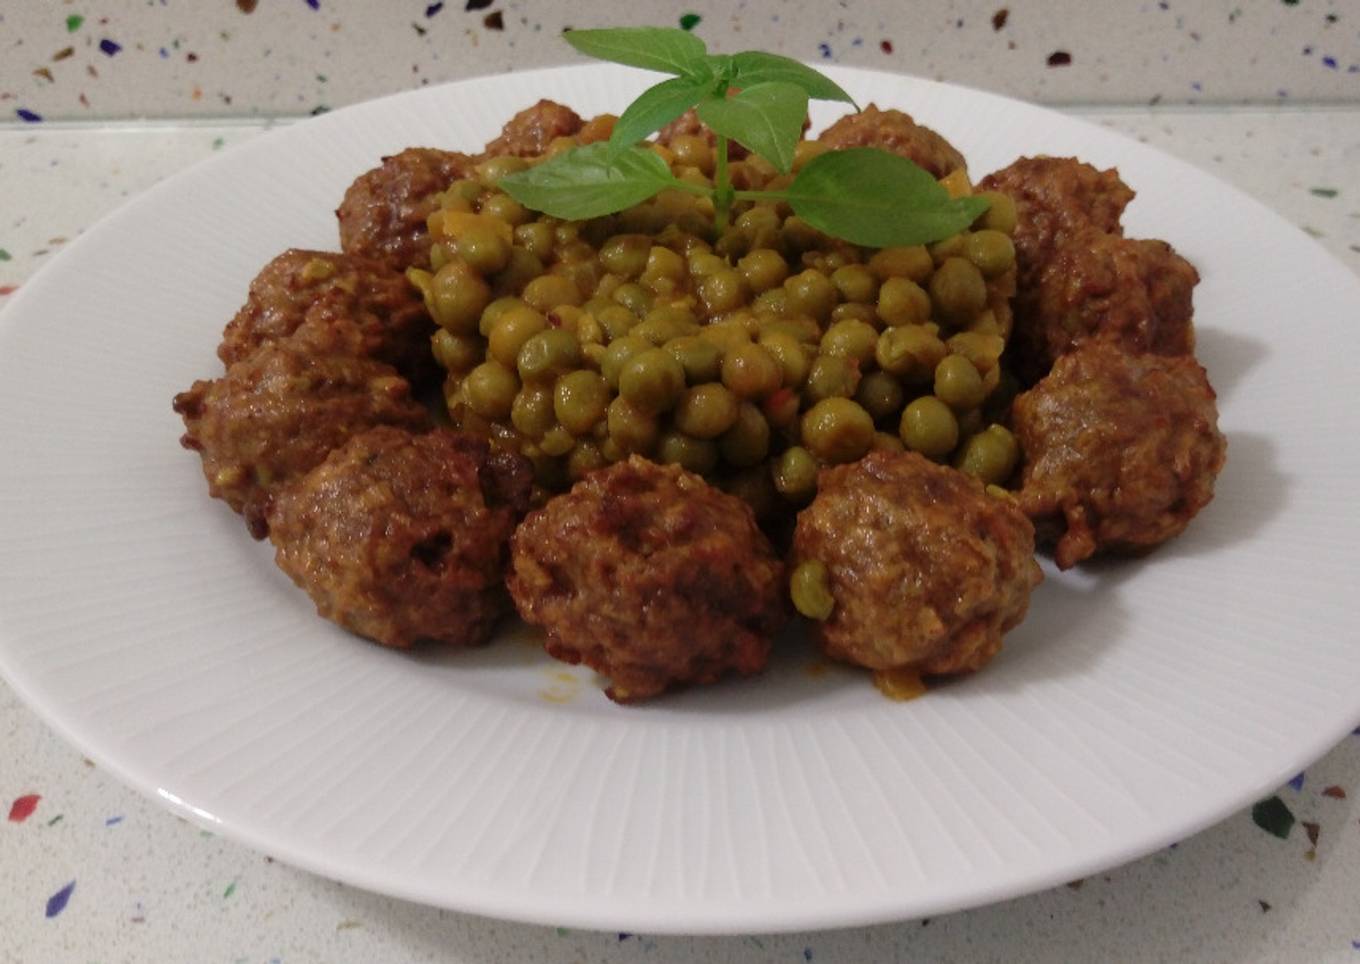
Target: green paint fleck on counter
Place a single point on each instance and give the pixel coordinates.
(4, 255)
(1313, 232)
(1274, 817)
(73, 22)
(218, 142)
(231, 889)
(1327, 192)
(688, 21)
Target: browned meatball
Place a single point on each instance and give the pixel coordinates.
(389, 317)
(650, 576)
(274, 416)
(1120, 450)
(383, 213)
(927, 570)
(1138, 294)
(1056, 197)
(529, 132)
(892, 130)
(401, 537)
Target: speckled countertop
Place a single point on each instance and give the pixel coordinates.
(93, 872)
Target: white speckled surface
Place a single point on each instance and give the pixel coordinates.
(167, 59)
(149, 887)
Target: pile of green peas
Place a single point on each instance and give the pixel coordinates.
(754, 357)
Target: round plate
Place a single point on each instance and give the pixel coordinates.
(1140, 701)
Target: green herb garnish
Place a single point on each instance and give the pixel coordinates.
(863, 195)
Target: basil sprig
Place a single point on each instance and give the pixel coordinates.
(864, 195)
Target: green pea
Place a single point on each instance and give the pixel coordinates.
(810, 293)
(617, 355)
(583, 459)
(556, 442)
(990, 455)
(483, 248)
(664, 324)
(792, 355)
(490, 389)
(626, 254)
(852, 339)
(548, 354)
(532, 411)
(1000, 215)
(855, 283)
(795, 474)
(634, 297)
(704, 263)
(837, 430)
(911, 351)
(512, 329)
(957, 290)
(804, 330)
(902, 301)
(492, 313)
(699, 456)
(631, 429)
(722, 291)
(615, 320)
(958, 384)
(880, 394)
(506, 208)
(909, 262)
(831, 376)
(774, 303)
(983, 350)
(522, 268)
(458, 296)
(886, 442)
(763, 269)
(992, 252)
(706, 411)
(699, 357)
(579, 401)
(652, 380)
(747, 442)
(536, 238)
(490, 171)
(751, 371)
(929, 427)
(548, 291)
(855, 311)
(810, 589)
(456, 353)
(950, 247)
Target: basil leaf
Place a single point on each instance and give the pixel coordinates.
(666, 49)
(870, 197)
(585, 182)
(764, 118)
(656, 108)
(754, 67)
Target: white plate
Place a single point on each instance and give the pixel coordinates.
(1139, 702)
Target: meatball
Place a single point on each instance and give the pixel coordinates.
(1135, 293)
(401, 537)
(926, 569)
(892, 130)
(529, 132)
(318, 287)
(1120, 450)
(651, 577)
(1056, 197)
(383, 213)
(275, 415)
